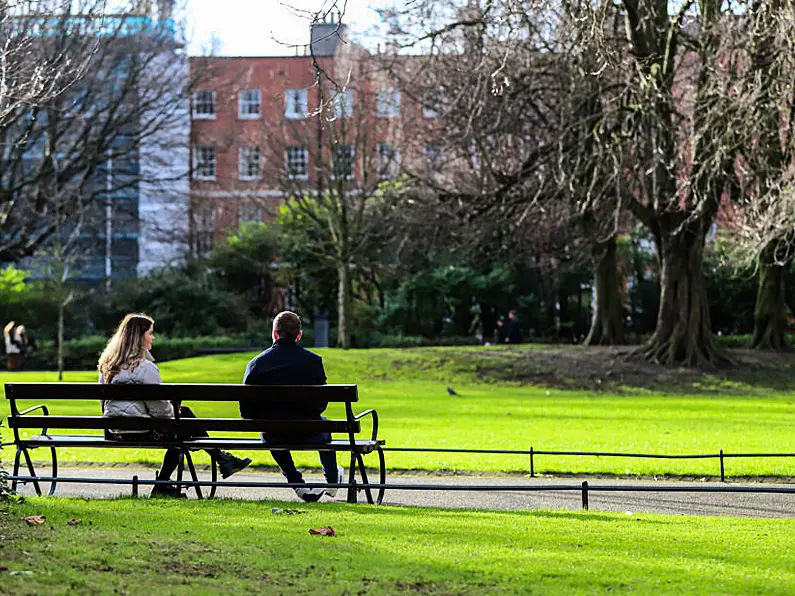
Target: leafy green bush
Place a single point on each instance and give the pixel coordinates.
(82, 354)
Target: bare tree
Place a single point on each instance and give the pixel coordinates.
(766, 231)
(127, 110)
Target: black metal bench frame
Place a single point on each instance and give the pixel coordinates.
(178, 393)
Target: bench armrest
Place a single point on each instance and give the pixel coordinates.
(45, 410)
(374, 414)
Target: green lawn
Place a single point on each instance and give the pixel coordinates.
(164, 547)
(407, 387)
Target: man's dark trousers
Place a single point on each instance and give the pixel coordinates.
(285, 363)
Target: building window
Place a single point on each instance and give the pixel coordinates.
(433, 155)
(297, 162)
(387, 103)
(387, 161)
(343, 161)
(204, 217)
(204, 162)
(249, 105)
(295, 105)
(249, 212)
(432, 103)
(343, 104)
(204, 105)
(248, 163)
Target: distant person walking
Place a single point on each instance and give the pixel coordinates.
(514, 334)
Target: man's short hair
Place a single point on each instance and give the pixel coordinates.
(287, 325)
(512, 312)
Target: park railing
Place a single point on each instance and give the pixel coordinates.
(585, 488)
(533, 453)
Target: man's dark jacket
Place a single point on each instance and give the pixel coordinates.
(284, 363)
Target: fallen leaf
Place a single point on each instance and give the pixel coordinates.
(34, 520)
(74, 522)
(324, 531)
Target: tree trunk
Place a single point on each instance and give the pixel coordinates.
(770, 312)
(683, 335)
(607, 326)
(61, 308)
(343, 307)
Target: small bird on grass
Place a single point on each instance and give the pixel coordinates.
(451, 391)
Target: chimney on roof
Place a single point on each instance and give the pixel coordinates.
(326, 37)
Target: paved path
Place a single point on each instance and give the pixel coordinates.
(692, 503)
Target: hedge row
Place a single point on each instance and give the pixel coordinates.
(83, 353)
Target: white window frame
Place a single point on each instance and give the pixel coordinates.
(244, 159)
(196, 114)
(204, 226)
(387, 103)
(246, 209)
(387, 161)
(352, 157)
(246, 100)
(293, 98)
(432, 96)
(343, 104)
(287, 162)
(200, 162)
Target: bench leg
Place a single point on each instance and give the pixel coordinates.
(381, 477)
(214, 473)
(193, 474)
(368, 493)
(180, 469)
(352, 479)
(54, 457)
(32, 471)
(16, 469)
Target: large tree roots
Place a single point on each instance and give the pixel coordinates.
(680, 349)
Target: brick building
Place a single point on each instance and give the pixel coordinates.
(262, 129)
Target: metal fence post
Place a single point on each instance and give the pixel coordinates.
(722, 470)
(532, 466)
(135, 486)
(585, 495)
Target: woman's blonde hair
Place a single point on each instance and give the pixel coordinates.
(7, 329)
(125, 350)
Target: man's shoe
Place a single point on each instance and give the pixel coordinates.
(167, 490)
(229, 464)
(310, 495)
(332, 492)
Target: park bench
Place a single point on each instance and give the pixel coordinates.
(38, 417)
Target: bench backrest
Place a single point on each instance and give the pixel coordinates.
(176, 392)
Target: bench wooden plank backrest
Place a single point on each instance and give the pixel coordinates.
(183, 392)
(178, 392)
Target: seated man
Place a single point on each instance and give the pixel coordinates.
(285, 363)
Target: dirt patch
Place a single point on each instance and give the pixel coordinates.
(619, 369)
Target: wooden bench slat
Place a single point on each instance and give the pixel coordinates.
(183, 392)
(365, 445)
(187, 424)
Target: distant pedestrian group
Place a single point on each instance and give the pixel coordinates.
(509, 332)
(17, 345)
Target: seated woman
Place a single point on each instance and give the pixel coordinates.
(126, 359)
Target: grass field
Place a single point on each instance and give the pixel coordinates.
(157, 547)
(408, 388)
